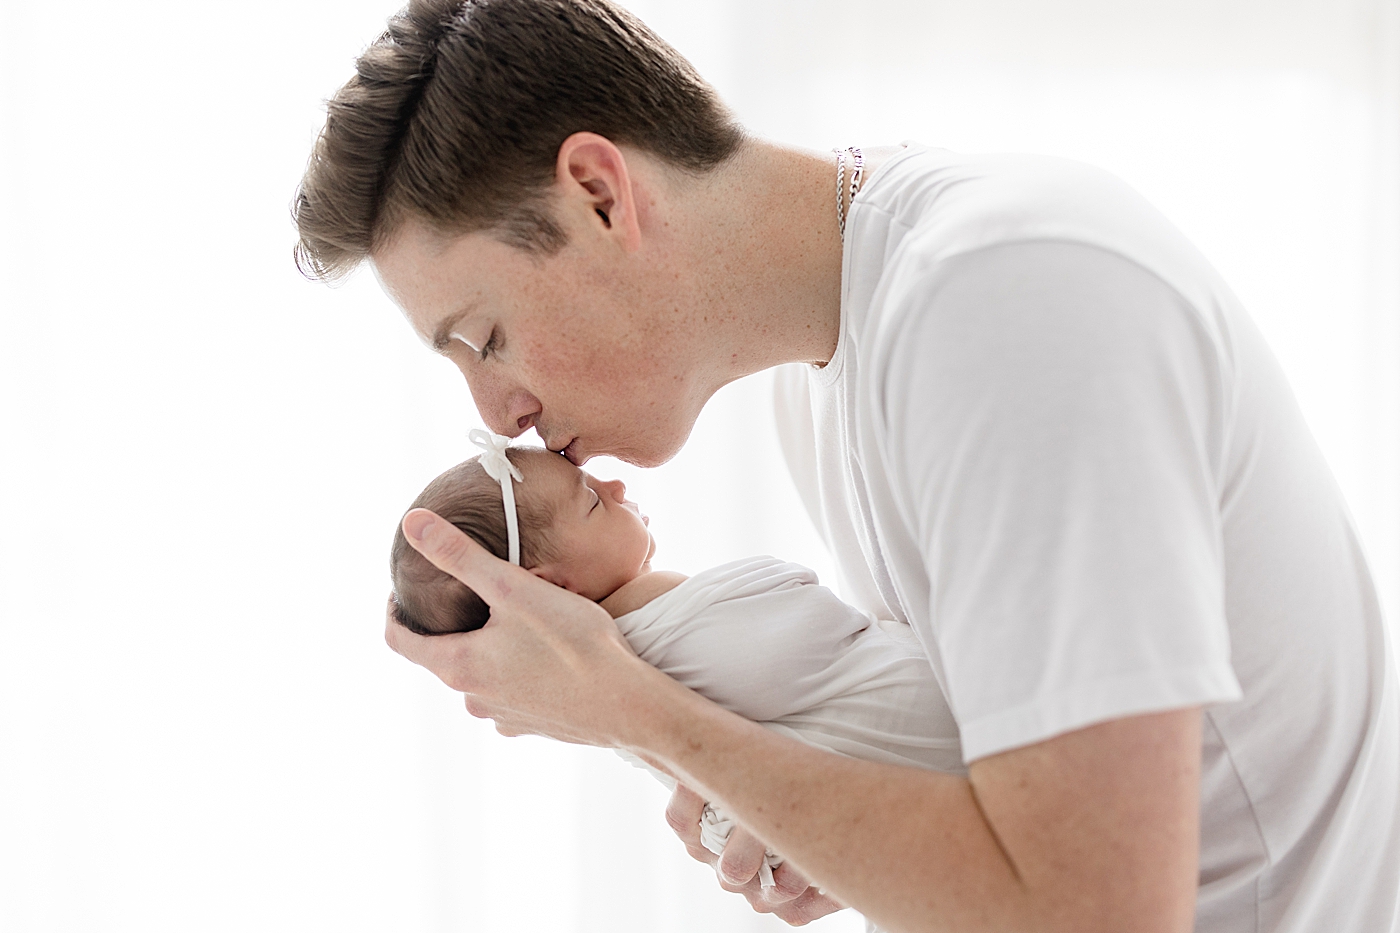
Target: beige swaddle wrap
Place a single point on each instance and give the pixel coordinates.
(763, 639)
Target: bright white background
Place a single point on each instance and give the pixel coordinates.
(204, 456)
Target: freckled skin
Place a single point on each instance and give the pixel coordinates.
(575, 357)
(613, 344)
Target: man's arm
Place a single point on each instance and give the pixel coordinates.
(1091, 831)
(1094, 830)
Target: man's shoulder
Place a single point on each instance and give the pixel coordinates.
(956, 224)
(935, 204)
(939, 184)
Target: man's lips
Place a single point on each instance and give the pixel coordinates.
(570, 452)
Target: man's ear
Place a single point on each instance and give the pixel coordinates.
(592, 174)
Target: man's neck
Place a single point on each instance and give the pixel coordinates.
(748, 256)
(766, 254)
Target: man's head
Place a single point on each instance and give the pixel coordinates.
(576, 531)
(507, 165)
(457, 113)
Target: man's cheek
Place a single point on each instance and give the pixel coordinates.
(578, 371)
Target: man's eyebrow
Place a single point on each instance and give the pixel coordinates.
(443, 335)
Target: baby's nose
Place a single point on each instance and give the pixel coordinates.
(617, 489)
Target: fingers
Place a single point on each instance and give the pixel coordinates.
(791, 899)
(512, 723)
(452, 552)
(806, 907)
(683, 814)
(742, 858)
(796, 910)
(444, 655)
(396, 636)
(788, 883)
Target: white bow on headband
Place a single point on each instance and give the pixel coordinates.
(498, 466)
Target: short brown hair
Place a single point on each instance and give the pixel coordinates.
(456, 114)
(430, 602)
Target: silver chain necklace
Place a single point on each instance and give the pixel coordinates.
(857, 170)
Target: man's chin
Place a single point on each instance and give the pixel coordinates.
(652, 455)
(640, 459)
(645, 452)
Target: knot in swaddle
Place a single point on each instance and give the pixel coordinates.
(715, 825)
(715, 828)
(498, 466)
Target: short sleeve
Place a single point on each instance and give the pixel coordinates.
(1054, 422)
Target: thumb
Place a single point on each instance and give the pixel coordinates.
(454, 553)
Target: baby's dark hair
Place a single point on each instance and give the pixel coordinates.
(430, 602)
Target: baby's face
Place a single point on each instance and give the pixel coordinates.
(599, 539)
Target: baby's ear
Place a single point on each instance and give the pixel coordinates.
(551, 573)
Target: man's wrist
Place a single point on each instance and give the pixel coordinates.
(676, 727)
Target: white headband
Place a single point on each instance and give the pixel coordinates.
(498, 466)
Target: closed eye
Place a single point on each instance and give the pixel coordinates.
(597, 501)
(492, 345)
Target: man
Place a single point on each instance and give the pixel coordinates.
(1029, 419)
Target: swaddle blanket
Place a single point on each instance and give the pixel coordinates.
(763, 639)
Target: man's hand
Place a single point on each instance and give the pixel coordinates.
(548, 662)
(792, 900)
(552, 663)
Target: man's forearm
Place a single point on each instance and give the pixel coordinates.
(909, 848)
(1092, 831)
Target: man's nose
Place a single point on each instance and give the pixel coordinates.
(512, 420)
(521, 410)
(506, 411)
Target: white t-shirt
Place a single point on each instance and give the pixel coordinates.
(1052, 442)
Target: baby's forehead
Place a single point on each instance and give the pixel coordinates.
(549, 474)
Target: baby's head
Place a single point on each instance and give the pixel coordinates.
(576, 531)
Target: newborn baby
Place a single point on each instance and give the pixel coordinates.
(758, 636)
